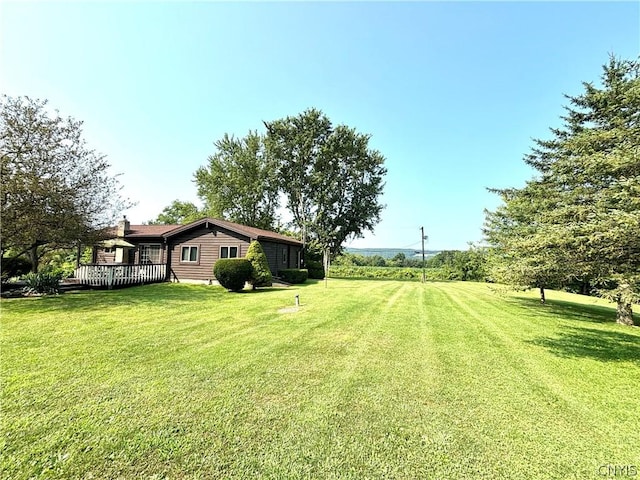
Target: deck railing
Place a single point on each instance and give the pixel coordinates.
(109, 275)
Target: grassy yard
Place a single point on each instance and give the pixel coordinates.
(369, 379)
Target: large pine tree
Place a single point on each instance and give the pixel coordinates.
(585, 217)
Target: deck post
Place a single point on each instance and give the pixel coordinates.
(110, 278)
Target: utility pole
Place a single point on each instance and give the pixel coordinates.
(424, 279)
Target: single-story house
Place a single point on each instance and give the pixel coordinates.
(188, 252)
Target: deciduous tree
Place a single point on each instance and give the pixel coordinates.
(178, 213)
(330, 177)
(240, 182)
(56, 191)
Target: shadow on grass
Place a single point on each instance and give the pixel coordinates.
(279, 288)
(154, 295)
(576, 339)
(133, 297)
(570, 310)
(601, 345)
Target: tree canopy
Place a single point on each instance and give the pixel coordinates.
(524, 253)
(56, 191)
(240, 182)
(329, 176)
(178, 213)
(579, 218)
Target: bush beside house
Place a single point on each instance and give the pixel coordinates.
(260, 273)
(294, 275)
(314, 261)
(232, 273)
(316, 269)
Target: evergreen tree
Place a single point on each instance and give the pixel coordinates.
(260, 272)
(583, 219)
(526, 250)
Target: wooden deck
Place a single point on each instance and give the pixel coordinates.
(114, 275)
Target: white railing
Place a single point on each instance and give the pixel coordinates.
(116, 275)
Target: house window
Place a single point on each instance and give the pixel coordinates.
(189, 254)
(229, 252)
(284, 256)
(150, 254)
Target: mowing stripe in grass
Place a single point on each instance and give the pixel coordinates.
(369, 379)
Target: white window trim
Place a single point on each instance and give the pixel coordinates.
(229, 247)
(147, 245)
(192, 262)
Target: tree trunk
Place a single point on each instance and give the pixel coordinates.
(625, 313)
(33, 257)
(78, 255)
(586, 288)
(542, 297)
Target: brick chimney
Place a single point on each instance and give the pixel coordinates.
(123, 226)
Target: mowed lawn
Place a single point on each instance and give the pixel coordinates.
(369, 379)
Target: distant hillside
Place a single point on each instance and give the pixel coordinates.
(388, 253)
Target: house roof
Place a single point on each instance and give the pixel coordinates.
(167, 231)
(149, 230)
(251, 232)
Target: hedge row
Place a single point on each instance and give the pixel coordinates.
(315, 268)
(389, 273)
(294, 275)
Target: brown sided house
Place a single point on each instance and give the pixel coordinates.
(189, 252)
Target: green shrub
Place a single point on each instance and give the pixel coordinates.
(14, 267)
(44, 282)
(389, 273)
(294, 275)
(59, 261)
(260, 273)
(232, 273)
(316, 269)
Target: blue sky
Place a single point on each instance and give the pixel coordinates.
(451, 93)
